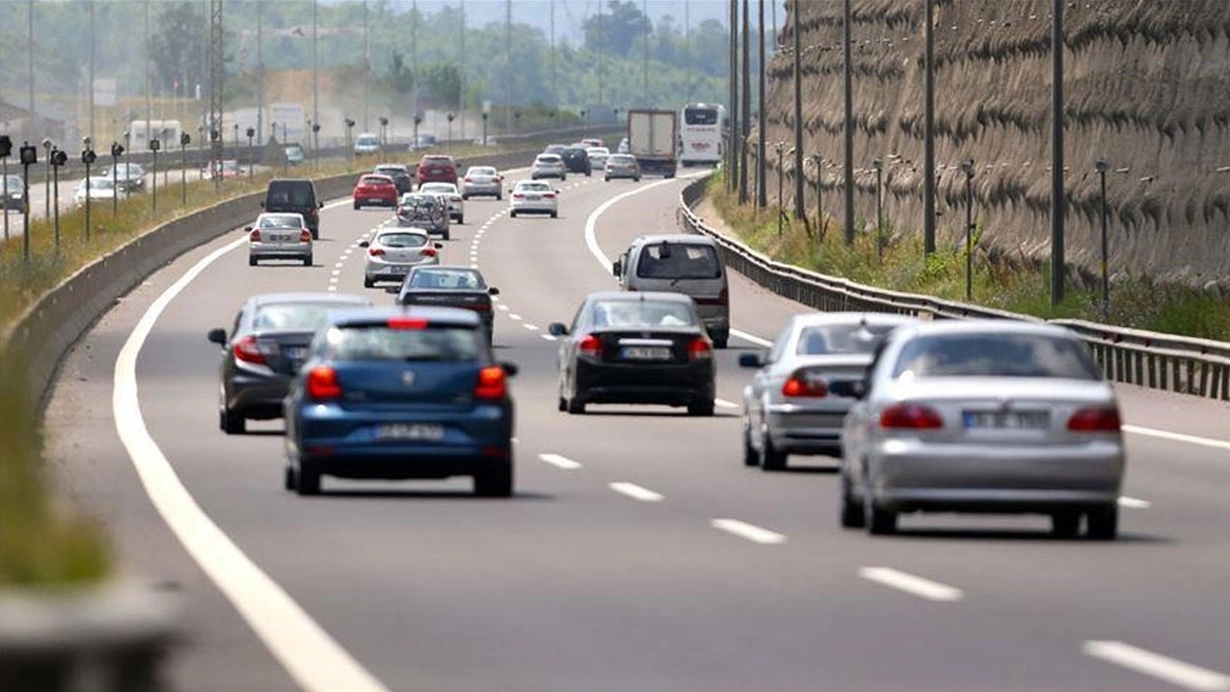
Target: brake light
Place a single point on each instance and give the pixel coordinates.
(590, 346)
(518, 195)
(468, 179)
(428, 252)
(549, 195)
(255, 236)
(491, 383)
(305, 236)
(249, 351)
(800, 386)
(700, 348)
(322, 383)
(914, 416)
(376, 251)
(315, 214)
(1095, 420)
(407, 323)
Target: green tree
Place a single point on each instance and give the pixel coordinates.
(441, 83)
(178, 45)
(617, 29)
(399, 78)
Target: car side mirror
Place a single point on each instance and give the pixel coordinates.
(365, 244)
(750, 360)
(247, 229)
(617, 267)
(510, 369)
(439, 246)
(493, 291)
(320, 205)
(262, 205)
(217, 336)
(557, 329)
(559, 191)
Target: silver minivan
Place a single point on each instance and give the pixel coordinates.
(681, 263)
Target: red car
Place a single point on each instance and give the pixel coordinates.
(437, 168)
(375, 189)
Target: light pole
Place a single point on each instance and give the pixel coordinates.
(165, 135)
(450, 118)
(762, 188)
(184, 139)
(236, 139)
(154, 145)
(847, 38)
(800, 211)
(780, 147)
(929, 129)
(879, 166)
(418, 120)
(349, 129)
(117, 150)
(215, 137)
(47, 146)
(1101, 167)
(58, 158)
(1058, 203)
(485, 128)
(818, 159)
(87, 157)
(29, 157)
(315, 145)
(251, 132)
(6, 150)
(745, 121)
(967, 167)
(384, 124)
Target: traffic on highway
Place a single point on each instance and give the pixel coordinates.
(365, 467)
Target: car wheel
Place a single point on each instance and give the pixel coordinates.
(307, 480)
(499, 198)
(703, 407)
(368, 282)
(576, 405)
(444, 236)
(307, 261)
(465, 198)
(461, 219)
(512, 214)
(637, 179)
(251, 261)
(563, 404)
(1102, 524)
(555, 214)
(357, 205)
(496, 482)
(771, 459)
(289, 480)
(852, 516)
(606, 179)
(721, 340)
(879, 521)
(232, 422)
(750, 456)
(1065, 524)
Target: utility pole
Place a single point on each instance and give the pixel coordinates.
(90, 134)
(217, 72)
(367, 67)
(315, 68)
(746, 103)
(554, 73)
(732, 143)
(645, 56)
(929, 130)
(461, 72)
(687, 45)
(149, 96)
(30, 56)
(599, 54)
(1058, 203)
(800, 210)
(847, 37)
(762, 187)
(508, 71)
(260, 71)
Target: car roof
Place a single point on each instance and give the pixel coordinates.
(680, 238)
(289, 181)
(989, 326)
(263, 214)
(813, 319)
(391, 167)
(457, 316)
(401, 229)
(310, 297)
(631, 296)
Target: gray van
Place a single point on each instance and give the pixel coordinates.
(681, 263)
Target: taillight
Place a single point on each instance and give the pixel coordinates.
(376, 252)
(799, 385)
(407, 323)
(914, 416)
(491, 383)
(549, 195)
(468, 179)
(255, 236)
(518, 195)
(1095, 420)
(305, 236)
(700, 348)
(247, 350)
(428, 252)
(315, 214)
(322, 383)
(590, 346)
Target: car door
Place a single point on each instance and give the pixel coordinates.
(856, 430)
(761, 381)
(568, 348)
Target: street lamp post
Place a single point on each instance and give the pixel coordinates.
(967, 167)
(47, 146)
(349, 130)
(384, 125)
(154, 145)
(29, 157)
(819, 161)
(215, 136)
(450, 118)
(165, 135)
(184, 139)
(117, 150)
(58, 158)
(485, 128)
(251, 132)
(87, 157)
(418, 120)
(779, 147)
(236, 139)
(316, 145)
(879, 165)
(6, 150)
(1101, 167)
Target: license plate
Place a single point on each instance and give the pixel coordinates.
(533, 198)
(400, 269)
(423, 432)
(295, 352)
(1006, 420)
(374, 200)
(645, 353)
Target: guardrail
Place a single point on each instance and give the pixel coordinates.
(1168, 362)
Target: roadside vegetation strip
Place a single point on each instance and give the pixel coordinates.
(999, 282)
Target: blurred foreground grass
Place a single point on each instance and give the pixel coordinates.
(1135, 302)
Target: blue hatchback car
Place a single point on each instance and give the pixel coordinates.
(400, 393)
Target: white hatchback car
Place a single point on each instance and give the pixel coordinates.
(456, 205)
(534, 197)
(393, 251)
(283, 236)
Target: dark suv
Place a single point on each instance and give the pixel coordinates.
(437, 168)
(295, 195)
(576, 159)
(400, 175)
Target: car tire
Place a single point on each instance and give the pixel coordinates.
(251, 261)
(307, 261)
(606, 179)
(703, 407)
(750, 456)
(465, 198)
(499, 198)
(576, 405)
(879, 521)
(289, 480)
(512, 214)
(1102, 524)
(563, 404)
(307, 480)
(721, 340)
(444, 236)
(497, 482)
(555, 214)
(771, 459)
(461, 220)
(1065, 524)
(369, 282)
(232, 422)
(637, 179)
(357, 205)
(852, 516)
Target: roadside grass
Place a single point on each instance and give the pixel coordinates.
(998, 282)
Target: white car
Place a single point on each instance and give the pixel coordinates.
(99, 190)
(456, 205)
(393, 251)
(366, 143)
(482, 181)
(598, 157)
(548, 166)
(531, 196)
(279, 236)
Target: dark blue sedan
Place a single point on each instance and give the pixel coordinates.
(400, 393)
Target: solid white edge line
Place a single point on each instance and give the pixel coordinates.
(312, 658)
(636, 492)
(548, 337)
(514, 316)
(751, 532)
(1171, 670)
(560, 461)
(917, 586)
(1177, 437)
(1134, 502)
(722, 403)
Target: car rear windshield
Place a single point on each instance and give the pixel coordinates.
(376, 180)
(841, 339)
(446, 278)
(622, 159)
(292, 316)
(378, 342)
(12, 182)
(438, 160)
(297, 195)
(679, 261)
(553, 159)
(481, 170)
(402, 239)
(367, 139)
(995, 355)
(281, 221)
(533, 187)
(386, 170)
(700, 116)
(637, 314)
(420, 201)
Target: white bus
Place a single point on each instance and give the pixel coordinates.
(702, 131)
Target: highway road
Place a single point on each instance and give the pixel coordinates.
(638, 553)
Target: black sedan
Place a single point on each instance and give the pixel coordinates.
(576, 160)
(269, 342)
(451, 287)
(636, 348)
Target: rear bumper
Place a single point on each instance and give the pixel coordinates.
(534, 207)
(481, 190)
(258, 397)
(270, 251)
(671, 385)
(799, 430)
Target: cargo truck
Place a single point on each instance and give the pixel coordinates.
(653, 138)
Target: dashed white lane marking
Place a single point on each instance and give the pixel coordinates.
(548, 337)
(514, 316)
(312, 658)
(1134, 502)
(751, 338)
(562, 462)
(339, 265)
(502, 306)
(923, 588)
(636, 492)
(531, 327)
(1177, 437)
(722, 403)
(337, 272)
(1146, 662)
(751, 532)
(333, 288)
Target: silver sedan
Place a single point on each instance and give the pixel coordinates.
(789, 407)
(983, 416)
(482, 181)
(279, 236)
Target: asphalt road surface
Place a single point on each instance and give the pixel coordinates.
(638, 553)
